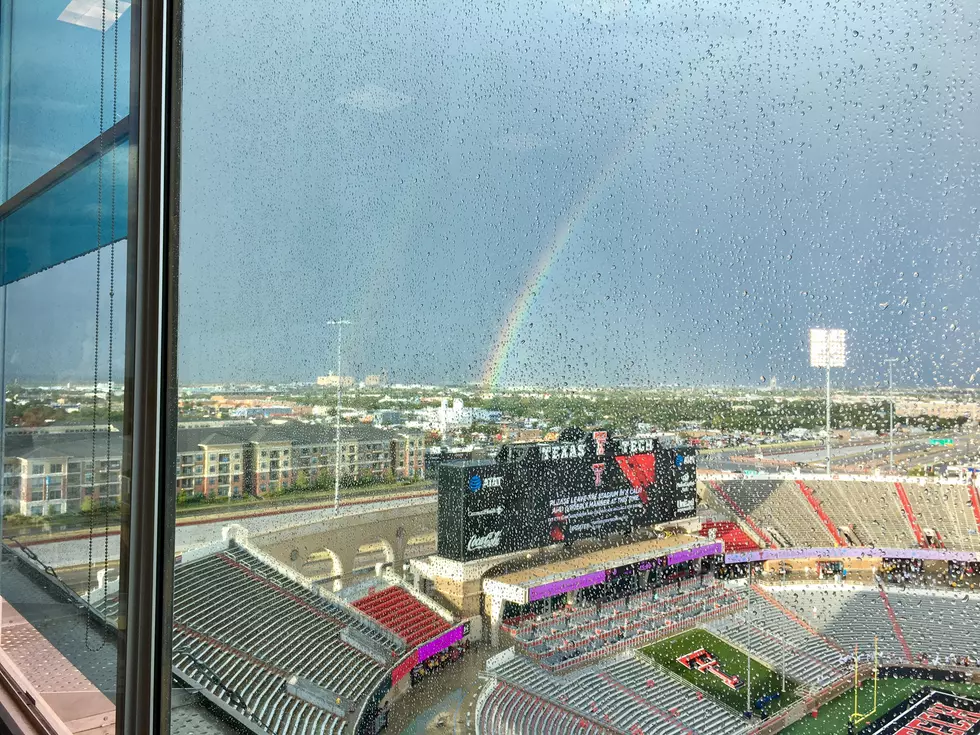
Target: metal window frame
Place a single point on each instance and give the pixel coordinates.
(146, 555)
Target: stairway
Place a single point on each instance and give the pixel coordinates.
(821, 513)
(975, 502)
(910, 515)
(739, 513)
(895, 624)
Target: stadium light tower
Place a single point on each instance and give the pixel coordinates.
(339, 323)
(827, 351)
(891, 417)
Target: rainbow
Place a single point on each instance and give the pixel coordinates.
(536, 279)
(538, 276)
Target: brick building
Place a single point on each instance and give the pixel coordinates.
(49, 472)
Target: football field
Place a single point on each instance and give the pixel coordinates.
(732, 661)
(832, 717)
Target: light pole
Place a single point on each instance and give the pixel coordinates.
(827, 348)
(828, 419)
(891, 417)
(339, 323)
(748, 645)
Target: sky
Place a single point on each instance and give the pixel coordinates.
(591, 192)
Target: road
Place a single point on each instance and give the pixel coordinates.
(75, 551)
(190, 515)
(847, 456)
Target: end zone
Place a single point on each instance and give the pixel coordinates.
(930, 712)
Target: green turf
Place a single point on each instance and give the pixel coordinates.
(832, 717)
(733, 661)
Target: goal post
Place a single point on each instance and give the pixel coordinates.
(857, 717)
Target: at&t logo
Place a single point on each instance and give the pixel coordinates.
(476, 483)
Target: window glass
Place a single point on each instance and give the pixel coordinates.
(636, 341)
(62, 229)
(54, 95)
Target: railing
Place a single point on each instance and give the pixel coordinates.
(896, 626)
(740, 513)
(821, 513)
(594, 634)
(910, 515)
(799, 710)
(233, 702)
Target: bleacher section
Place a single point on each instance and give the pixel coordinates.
(731, 533)
(242, 630)
(849, 614)
(811, 630)
(780, 506)
(576, 635)
(933, 623)
(510, 710)
(871, 508)
(777, 639)
(938, 623)
(398, 611)
(624, 694)
(946, 509)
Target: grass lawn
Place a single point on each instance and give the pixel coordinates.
(832, 719)
(733, 661)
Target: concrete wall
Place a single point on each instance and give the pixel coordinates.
(343, 535)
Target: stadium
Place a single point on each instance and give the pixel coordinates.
(610, 586)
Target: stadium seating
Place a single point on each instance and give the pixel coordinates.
(241, 629)
(938, 623)
(872, 509)
(778, 639)
(628, 693)
(934, 623)
(570, 637)
(398, 611)
(778, 505)
(850, 615)
(511, 710)
(731, 533)
(946, 509)
(812, 630)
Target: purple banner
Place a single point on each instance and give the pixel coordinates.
(857, 552)
(437, 645)
(565, 585)
(678, 557)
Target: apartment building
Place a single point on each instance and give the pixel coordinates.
(48, 473)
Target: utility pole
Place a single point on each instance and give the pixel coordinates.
(748, 645)
(891, 417)
(339, 323)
